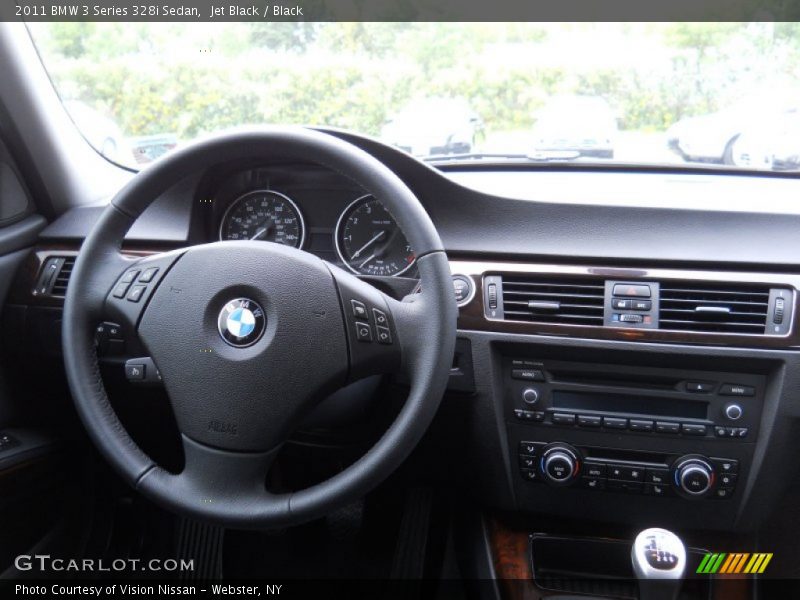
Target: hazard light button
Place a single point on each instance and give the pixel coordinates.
(632, 290)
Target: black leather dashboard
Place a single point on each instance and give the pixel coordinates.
(473, 223)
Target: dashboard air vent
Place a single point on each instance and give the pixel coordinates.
(54, 276)
(62, 278)
(713, 307)
(553, 299)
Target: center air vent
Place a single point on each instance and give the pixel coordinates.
(711, 307)
(553, 299)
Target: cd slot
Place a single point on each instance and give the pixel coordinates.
(630, 405)
(612, 379)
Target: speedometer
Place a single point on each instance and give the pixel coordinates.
(370, 242)
(263, 215)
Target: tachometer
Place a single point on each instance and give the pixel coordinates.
(370, 242)
(263, 215)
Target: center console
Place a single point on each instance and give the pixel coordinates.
(657, 442)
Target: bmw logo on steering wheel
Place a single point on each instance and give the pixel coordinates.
(241, 322)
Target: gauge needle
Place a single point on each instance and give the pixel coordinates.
(369, 258)
(259, 233)
(358, 252)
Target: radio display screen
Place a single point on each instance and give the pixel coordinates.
(639, 405)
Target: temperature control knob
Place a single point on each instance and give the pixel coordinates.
(694, 476)
(560, 464)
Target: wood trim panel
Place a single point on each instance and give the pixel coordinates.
(512, 568)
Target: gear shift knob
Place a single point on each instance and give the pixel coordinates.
(659, 562)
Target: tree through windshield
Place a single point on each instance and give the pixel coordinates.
(707, 93)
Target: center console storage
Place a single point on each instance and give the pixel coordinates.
(599, 568)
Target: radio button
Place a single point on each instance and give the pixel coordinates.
(691, 429)
(658, 476)
(730, 432)
(527, 374)
(615, 423)
(523, 415)
(563, 418)
(699, 387)
(593, 483)
(666, 427)
(593, 469)
(637, 425)
(536, 416)
(733, 389)
(589, 421)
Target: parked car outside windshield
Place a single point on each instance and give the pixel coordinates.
(746, 134)
(443, 89)
(583, 124)
(433, 126)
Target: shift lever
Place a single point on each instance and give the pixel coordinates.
(659, 561)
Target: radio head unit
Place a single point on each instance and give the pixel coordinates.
(634, 400)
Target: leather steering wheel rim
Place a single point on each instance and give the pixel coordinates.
(223, 482)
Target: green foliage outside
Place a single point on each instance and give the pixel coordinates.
(192, 79)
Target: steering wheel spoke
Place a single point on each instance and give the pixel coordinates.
(131, 285)
(374, 334)
(228, 486)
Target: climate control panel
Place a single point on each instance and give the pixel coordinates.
(690, 476)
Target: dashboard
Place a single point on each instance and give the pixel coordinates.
(637, 359)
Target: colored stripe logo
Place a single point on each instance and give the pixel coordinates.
(735, 562)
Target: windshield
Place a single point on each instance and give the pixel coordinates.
(725, 94)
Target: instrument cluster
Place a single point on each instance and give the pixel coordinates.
(364, 236)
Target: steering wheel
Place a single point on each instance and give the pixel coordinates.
(249, 336)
